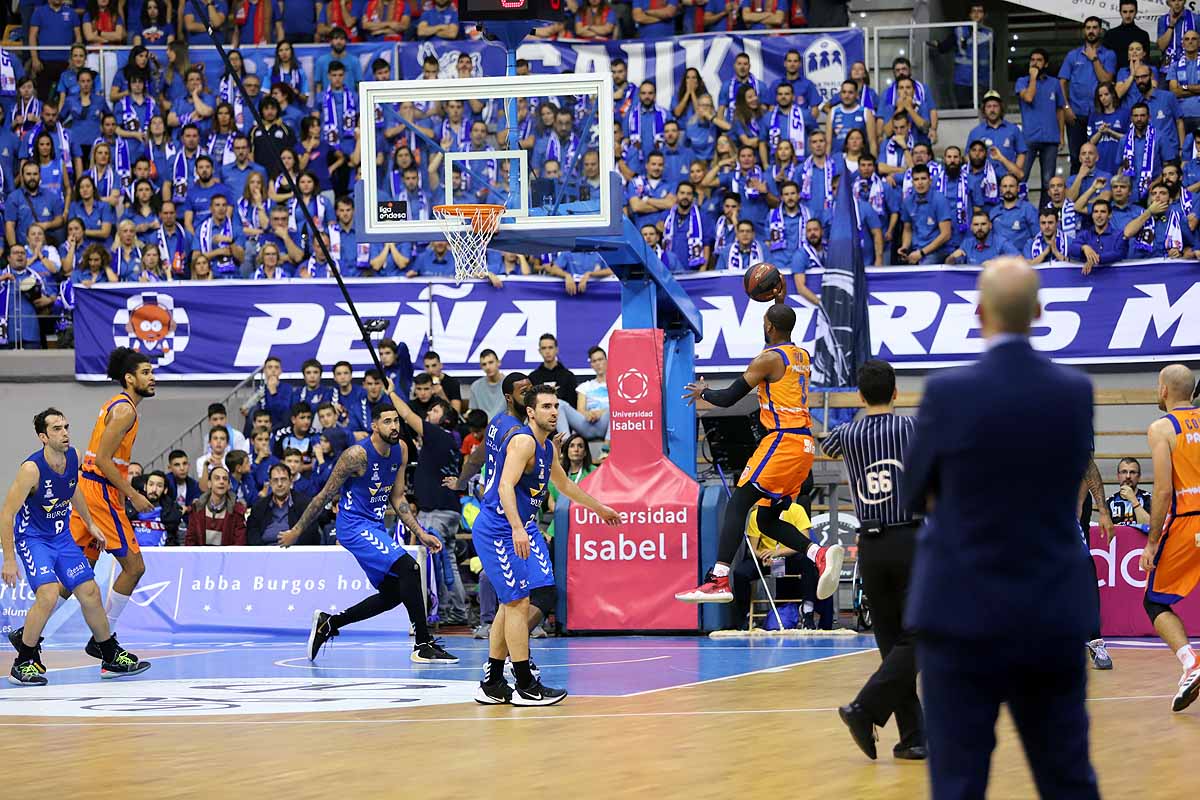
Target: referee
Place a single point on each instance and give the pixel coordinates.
(873, 449)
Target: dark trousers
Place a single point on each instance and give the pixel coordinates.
(1044, 683)
(1046, 155)
(47, 79)
(791, 588)
(885, 563)
(1076, 138)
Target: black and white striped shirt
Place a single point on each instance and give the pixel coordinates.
(873, 448)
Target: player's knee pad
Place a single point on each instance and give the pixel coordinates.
(544, 598)
(1153, 609)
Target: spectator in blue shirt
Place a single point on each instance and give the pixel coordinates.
(53, 24)
(1014, 220)
(1045, 246)
(32, 203)
(439, 22)
(28, 295)
(1163, 108)
(348, 398)
(435, 261)
(1101, 244)
(1122, 210)
(197, 29)
(1090, 179)
(677, 158)
(337, 52)
(687, 234)
(1172, 28)
(655, 18)
(982, 245)
(926, 220)
(1082, 70)
(1184, 74)
(1005, 142)
(700, 133)
(650, 197)
(1161, 231)
(234, 175)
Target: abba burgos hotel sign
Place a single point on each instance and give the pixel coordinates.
(623, 577)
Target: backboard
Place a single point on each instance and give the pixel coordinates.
(554, 181)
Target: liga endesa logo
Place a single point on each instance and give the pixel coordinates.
(153, 325)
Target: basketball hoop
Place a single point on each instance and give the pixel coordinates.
(468, 227)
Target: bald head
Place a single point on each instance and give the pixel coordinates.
(1178, 383)
(1008, 296)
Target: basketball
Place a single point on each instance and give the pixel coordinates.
(761, 281)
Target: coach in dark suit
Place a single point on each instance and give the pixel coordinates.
(1000, 596)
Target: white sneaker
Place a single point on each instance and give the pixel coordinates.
(537, 633)
(829, 564)
(1189, 688)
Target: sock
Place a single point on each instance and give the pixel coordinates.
(108, 649)
(495, 670)
(26, 652)
(116, 604)
(812, 551)
(1186, 656)
(809, 607)
(720, 570)
(523, 673)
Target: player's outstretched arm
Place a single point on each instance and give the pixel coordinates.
(558, 476)
(399, 502)
(760, 369)
(22, 485)
(518, 453)
(1159, 435)
(353, 461)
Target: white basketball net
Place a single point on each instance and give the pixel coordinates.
(468, 229)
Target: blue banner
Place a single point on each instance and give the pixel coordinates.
(920, 317)
(197, 589)
(826, 58)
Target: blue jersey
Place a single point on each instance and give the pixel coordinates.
(530, 489)
(46, 511)
(365, 497)
(496, 440)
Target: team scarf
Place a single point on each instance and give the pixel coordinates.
(106, 181)
(554, 150)
(777, 226)
(221, 265)
(1068, 222)
(62, 145)
(183, 171)
(362, 257)
(228, 92)
(815, 257)
(459, 133)
(724, 235)
(634, 124)
(1174, 233)
(873, 194)
(1187, 22)
(336, 126)
(892, 154)
(989, 185)
(64, 304)
(260, 274)
(1146, 170)
(753, 128)
(318, 206)
(131, 118)
(742, 261)
(623, 100)
(313, 268)
(1039, 245)
(126, 265)
(225, 150)
(641, 185)
(787, 126)
(278, 185)
(417, 200)
(292, 77)
(8, 75)
(695, 234)
(733, 87)
(889, 94)
(740, 182)
(248, 216)
(396, 182)
(782, 174)
(806, 177)
(937, 179)
(173, 259)
(24, 109)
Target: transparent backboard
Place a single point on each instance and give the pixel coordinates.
(446, 141)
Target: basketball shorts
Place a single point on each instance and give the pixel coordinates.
(372, 547)
(107, 507)
(1177, 565)
(780, 465)
(512, 576)
(55, 559)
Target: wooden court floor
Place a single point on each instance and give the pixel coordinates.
(769, 734)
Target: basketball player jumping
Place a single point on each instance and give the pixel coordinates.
(40, 501)
(779, 466)
(1171, 557)
(105, 484)
(367, 478)
(512, 549)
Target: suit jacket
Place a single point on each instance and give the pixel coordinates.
(260, 516)
(987, 565)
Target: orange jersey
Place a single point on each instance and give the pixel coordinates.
(1185, 461)
(783, 404)
(124, 450)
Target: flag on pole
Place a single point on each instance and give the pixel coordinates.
(843, 331)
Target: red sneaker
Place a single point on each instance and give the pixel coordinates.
(714, 590)
(829, 564)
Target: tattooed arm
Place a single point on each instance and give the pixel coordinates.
(1095, 487)
(404, 511)
(353, 462)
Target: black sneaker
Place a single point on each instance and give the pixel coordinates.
(14, 639)
(27, 673)
(322, 631)
(538, 695)
(494, 694)
(123, 664)
(432, 652)
(93, 649)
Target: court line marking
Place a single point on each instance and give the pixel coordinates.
(418, 668)
(549, 716)
(96, 665)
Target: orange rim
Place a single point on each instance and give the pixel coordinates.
(482, 215)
